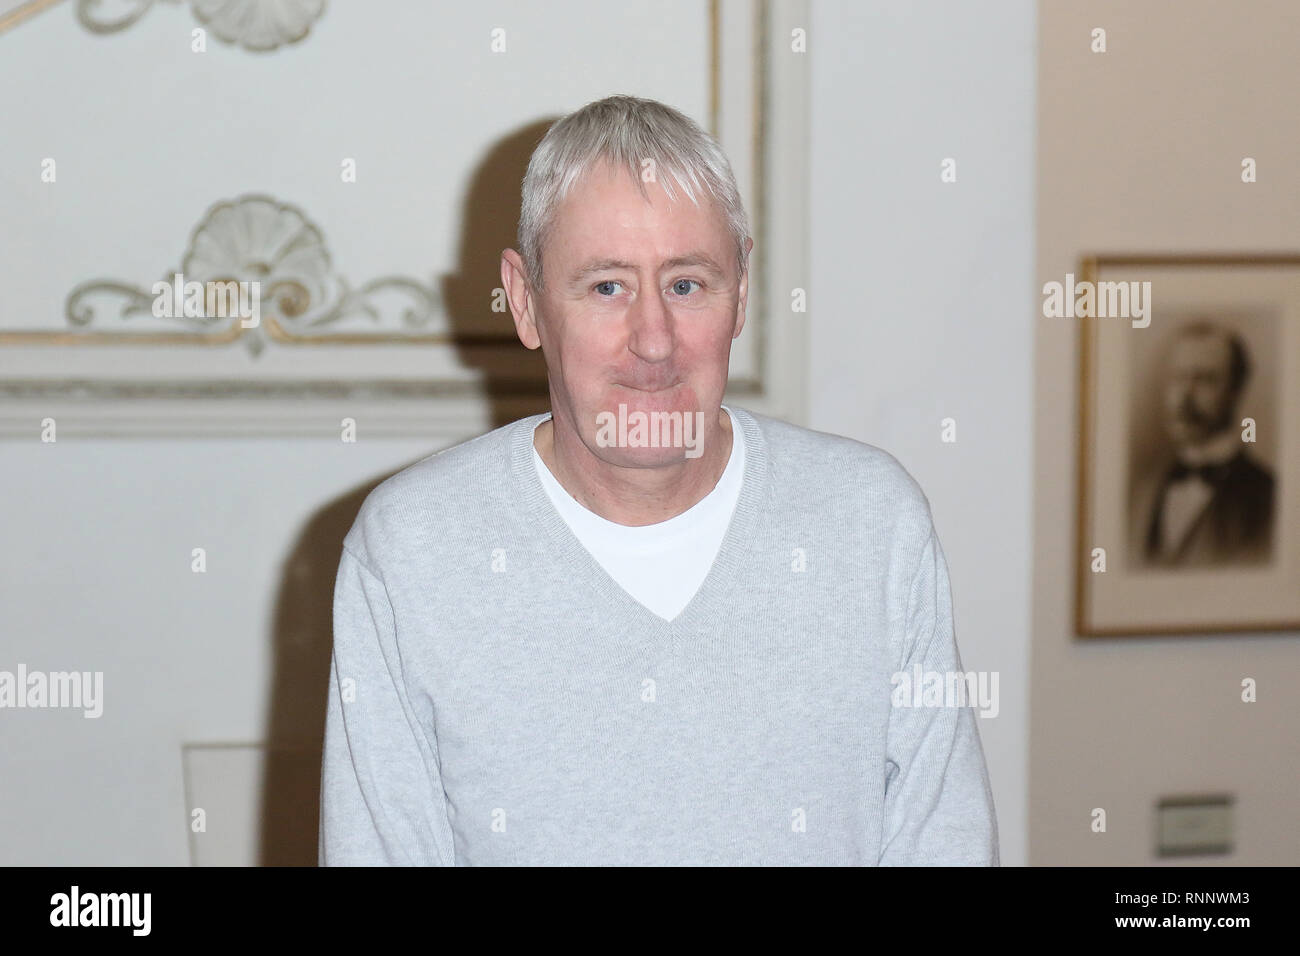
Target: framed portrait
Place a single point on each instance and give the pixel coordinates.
(1189, 455)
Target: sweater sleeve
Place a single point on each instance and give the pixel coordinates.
(938, 802)
(382, 800)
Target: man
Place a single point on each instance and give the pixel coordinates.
(648, 628)
(1213, 505)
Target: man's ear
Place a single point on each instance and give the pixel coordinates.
(744, 292)
(514, 279)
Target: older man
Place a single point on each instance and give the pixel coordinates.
(1213, 505)
(647, 628)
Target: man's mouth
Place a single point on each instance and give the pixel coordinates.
(660, 388)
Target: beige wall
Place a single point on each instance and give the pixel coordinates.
(1140, 151)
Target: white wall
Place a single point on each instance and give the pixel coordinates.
(95, 575)
(921, 302)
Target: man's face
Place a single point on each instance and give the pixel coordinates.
(641, 303)
(1199, 398)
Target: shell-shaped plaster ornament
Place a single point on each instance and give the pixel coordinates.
(255, 238)
(259, 24)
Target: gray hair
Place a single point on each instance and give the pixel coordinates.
(625, 131)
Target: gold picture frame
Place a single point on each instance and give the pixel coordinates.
(1178, 530)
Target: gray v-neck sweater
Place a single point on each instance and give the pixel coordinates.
(496, 698)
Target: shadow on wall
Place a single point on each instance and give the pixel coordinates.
(302, 628)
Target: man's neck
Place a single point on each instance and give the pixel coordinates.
(635, 496)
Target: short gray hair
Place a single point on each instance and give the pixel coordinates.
(626, 131)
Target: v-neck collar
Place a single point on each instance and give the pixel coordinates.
(716, 591)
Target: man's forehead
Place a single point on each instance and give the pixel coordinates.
(606, 223)
(1201, 348)
(620, 199)
(694, 258)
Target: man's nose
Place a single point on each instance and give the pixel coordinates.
(650, 333)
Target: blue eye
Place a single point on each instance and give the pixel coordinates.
(599, 285)
(678, 284)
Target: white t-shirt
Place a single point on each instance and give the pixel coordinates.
(661, 565)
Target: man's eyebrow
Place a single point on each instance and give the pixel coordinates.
(599, 265)
(700, 259)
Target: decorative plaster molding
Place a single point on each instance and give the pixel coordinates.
(257, 25)
(256, 238)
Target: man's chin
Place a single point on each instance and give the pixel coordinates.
(648, 434)
(1193, 436)
(644, 457)
(678, 398)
